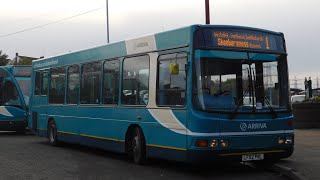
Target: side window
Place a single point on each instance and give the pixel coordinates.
(90, 83)
(57, 85)
(37, 84)
(111, 82)
(135, 82)
(171, 87)
(73, 84)
(44, 83)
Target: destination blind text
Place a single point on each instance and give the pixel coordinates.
(241, 40)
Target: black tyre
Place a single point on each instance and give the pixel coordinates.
(138, 147)
(52, 133)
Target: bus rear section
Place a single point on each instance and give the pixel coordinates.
(240, 96)
(14, 91)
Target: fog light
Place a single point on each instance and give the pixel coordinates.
(213, 143)
(224, 143)
(281, 140)
(202, 143)
(288, 140)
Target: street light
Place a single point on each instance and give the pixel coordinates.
(107, 11)
(207, 12)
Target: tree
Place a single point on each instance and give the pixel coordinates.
(24, 61)
(3, 59)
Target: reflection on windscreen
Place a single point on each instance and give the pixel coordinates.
(25, 87)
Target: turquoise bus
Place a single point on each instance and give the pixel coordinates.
(200, 93)
(15, 89)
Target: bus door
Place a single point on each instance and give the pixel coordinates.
(40, 99)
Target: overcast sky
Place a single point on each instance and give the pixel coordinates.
(298, 20)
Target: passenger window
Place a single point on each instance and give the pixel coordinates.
(111, 82)
(44, 83)
(135, 82)
(37, 84)
(171, 87)
(73, 84)
(90, 83)
(57, 85)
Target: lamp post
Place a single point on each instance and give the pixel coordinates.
(207, 12)
(107, 11)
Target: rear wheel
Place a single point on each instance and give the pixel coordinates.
(52, 133)
(138, 146)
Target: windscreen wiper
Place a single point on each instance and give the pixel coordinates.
(273, 112)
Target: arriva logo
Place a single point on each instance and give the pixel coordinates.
(253, 126)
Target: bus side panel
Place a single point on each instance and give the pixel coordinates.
(106, 127)
(66, 121)
(165, 141)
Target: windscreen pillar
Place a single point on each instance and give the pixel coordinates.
(259, 85)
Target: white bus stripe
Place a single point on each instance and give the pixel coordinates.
(5, 112)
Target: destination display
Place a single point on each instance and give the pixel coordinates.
(240, 39)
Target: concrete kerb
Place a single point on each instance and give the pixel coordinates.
(288, 172)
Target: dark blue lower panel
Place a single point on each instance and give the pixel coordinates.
(192, 156)
(117, 146)
(13, 125)
(109, 145)
(166, 153)
(41, 133)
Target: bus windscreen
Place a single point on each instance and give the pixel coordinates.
(22, 71)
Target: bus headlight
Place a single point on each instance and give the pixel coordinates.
(281, 140)
(224, 143)
(288, 140)
(213, 143)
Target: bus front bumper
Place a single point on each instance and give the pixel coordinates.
(13, 125)
(207, 156)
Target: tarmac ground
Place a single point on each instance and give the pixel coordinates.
(30, 157)
(304, 164)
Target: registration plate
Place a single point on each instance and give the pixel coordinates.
(252, 157)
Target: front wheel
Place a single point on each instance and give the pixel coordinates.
(52, 133)
(138, 146)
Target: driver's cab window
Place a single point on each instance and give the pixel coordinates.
(218, 84)
(171, 83)
(221, 85)
(10, 94)
(8, 91)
